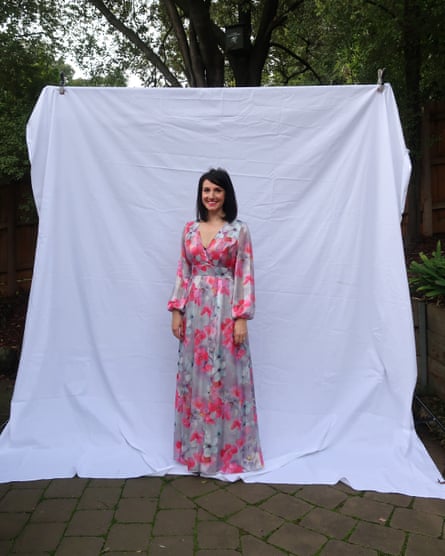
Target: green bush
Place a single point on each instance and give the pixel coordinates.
(427, 277)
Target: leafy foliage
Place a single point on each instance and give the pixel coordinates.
(31, 59)
(115, 78)
(427, 277)
(26, 66)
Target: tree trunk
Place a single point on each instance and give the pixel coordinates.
(211, 55)
(247, 64)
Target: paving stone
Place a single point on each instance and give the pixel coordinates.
(322, 495)
(33, 553)
(332, 524)
(80, 546)
(338, 548)
(369, 510)
(252, 546)
(172, 546)
(4, 488)
(297, 540)
(36, 537)
(54, 509)
(397, 500)
(287, 489)
(417, 522)
(378, 537)
(219, 552)
(66, 488)
(418, 544)
(217, 534)
(287, 506)
(174, 522)
(148, 487)
(127, 536)
(203, 515)
(11, 524)
(430, 505)
(124, 553)
(90, 523)
(252, 493)
(343, 487)
(221, 503)
(256, 521)
(136, 510)
(106, 483)
(5, 547)
(40, 483)
(99, 498)
(196, 486)
(172, 498)
(20, 500)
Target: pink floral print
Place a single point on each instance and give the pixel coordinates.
(216, 426)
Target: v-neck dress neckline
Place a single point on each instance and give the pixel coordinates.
(205, 247)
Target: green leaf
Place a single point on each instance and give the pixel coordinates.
(428, 276)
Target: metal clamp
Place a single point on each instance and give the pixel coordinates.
(380, 82)
(62, 83)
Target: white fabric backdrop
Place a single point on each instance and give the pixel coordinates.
(321, 176)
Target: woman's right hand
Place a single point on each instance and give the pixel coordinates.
(178, 324)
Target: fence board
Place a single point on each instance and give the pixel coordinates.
(433, 170)
(17, 239)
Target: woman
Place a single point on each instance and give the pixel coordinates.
(216, 426)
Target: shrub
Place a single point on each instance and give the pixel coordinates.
(427, 276)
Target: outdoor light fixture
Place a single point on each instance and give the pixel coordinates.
(236, 38)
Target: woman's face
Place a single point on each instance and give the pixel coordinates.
(213, 197)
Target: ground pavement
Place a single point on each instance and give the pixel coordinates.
(182, 516)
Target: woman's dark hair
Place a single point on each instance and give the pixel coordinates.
(220, 177)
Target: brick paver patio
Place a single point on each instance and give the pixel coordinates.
(180, 516)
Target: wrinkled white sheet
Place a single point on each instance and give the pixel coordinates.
(321, 176)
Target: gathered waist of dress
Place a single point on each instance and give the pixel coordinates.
(209, 270)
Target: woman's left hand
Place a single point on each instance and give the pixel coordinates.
(178, 324)
(240, 331)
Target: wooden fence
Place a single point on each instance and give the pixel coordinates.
(429, 327)
(18, 236)
(433, 169)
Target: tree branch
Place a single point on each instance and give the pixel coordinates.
(268, 14)
(197, 63)
(278, 21)
(306, 64)
(383, 8)
(287, 78)
(261, 45)
(182, 40)
(134, 38)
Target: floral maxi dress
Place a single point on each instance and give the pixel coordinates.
(216, 427)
